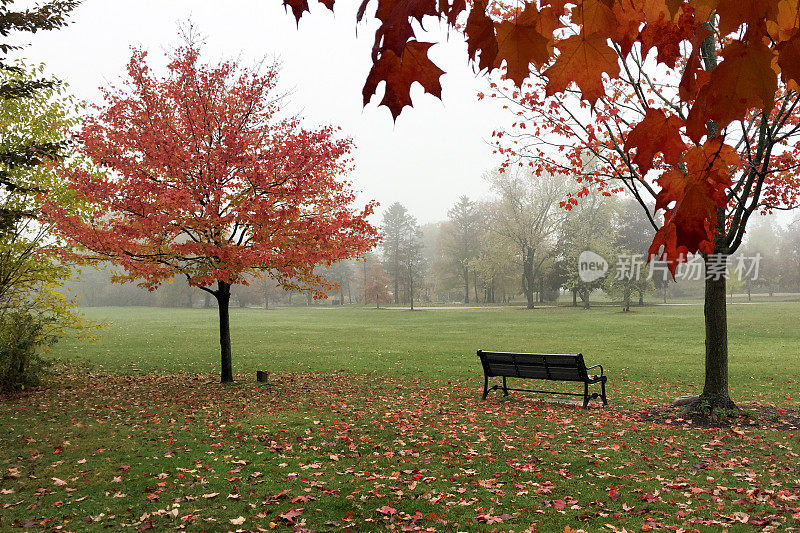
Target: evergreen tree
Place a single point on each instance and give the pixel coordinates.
(395, 227)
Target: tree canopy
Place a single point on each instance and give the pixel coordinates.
(197, 173)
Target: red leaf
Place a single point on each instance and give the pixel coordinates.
(582, 60)
(298, 7)
(789, 59)
(734, 13)
(396, 16)
(454, 10)
(480, 36)
(520, 43)
(664, 33)
(595, 16)
(744, 80)
(657, 132)
(486, 518)
(290, 515)
(400, 73)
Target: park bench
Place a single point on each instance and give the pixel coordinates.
(553, 367)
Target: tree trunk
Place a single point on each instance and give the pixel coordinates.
(715, 391)
(364, 285)
(574, 298)
(527, 276)
(411, 291)
(223, 294)
(475, 286)
(641, 298)
(466, 285)
(396, 284)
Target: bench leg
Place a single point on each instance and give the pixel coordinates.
(585, 395)
(485, 386)
(505, 388)
(603, 389)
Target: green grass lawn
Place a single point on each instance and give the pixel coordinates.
(372, 421)
(659, 347)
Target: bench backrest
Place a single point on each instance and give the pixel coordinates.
(558, 367)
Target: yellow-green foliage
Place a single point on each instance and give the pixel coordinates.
(30, 269)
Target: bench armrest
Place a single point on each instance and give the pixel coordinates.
(596, 366)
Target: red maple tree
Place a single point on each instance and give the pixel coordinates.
(196, 173)
(578, 43)
(577, 46)
(756, 172)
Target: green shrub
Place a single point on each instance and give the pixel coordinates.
(24, 336)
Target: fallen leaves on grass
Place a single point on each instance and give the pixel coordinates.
(336, 451)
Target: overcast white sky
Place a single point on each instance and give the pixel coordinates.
(435, 152)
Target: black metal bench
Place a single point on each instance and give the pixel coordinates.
(553, 367)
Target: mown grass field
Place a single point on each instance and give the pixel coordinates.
(372, 421)
(660, 346)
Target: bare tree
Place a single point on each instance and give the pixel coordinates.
(412, 259)
(528, 214)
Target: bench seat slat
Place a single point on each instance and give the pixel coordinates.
(533, 372)
(566, 374)
(503, 370)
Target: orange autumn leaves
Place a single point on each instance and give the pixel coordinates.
(580, 43)
(696, 181)
(744, 80)
(573, 42)
(697, 186)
